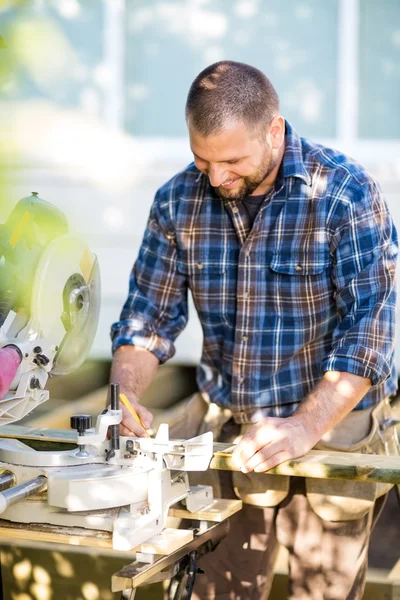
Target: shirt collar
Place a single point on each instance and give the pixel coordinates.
(292, 162)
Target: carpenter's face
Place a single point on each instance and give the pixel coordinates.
(236, 161)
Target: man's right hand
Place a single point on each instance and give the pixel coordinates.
(134, 368)
(129, 425)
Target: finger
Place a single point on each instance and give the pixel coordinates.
(131, 424)
(127, 431)
(249, 445)
(261, 456)
(272, 462)
(145, 415)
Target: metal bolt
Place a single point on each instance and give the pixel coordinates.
(35, 383)
(43, 360)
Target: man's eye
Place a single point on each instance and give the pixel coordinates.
(232, 162)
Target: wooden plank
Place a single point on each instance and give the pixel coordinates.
(137, 573)
(72, 536)
(322, 464)
(167, 541)
(216, 512)
(164, 543)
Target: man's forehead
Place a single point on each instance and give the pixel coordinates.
(229, 129)
(228, 144)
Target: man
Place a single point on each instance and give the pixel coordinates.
(290, 254)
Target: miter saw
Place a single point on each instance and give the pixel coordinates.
(50, 289)
(124, 485)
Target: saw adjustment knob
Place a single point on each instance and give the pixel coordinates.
(81, 423)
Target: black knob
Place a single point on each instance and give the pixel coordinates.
(81, 423)
(42, 359)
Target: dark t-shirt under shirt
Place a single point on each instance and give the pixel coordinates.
(252, 205)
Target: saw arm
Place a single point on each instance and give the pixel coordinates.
(49, 304)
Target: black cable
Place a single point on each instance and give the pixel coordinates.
(192, 571)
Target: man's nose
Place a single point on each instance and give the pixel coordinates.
(216, 175)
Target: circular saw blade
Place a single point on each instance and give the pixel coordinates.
(66, 300)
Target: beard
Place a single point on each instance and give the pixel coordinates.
(249, 184)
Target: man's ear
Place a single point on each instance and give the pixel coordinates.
(277, 132)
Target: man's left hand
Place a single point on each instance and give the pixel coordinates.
(272, 441)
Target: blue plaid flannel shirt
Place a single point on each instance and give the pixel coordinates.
(309, 288)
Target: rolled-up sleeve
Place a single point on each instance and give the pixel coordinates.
(364, 277)
(155, 311)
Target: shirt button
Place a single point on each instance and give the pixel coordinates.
(298, 268)
(200, 265)
(247, 253)
(241, 379)
(246, 294)
(235, 209)
(245, 338)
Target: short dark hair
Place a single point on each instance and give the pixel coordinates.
(229, 91)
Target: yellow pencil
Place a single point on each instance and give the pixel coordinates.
(134, 414)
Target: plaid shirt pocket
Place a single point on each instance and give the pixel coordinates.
(211, 287)
(301, 293)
